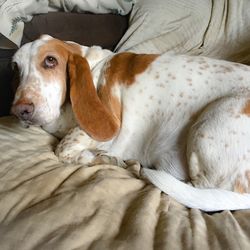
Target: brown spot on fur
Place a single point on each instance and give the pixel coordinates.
(242, 184)
(238, 187)
(246, 109)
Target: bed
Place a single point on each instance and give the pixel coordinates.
(46, 204)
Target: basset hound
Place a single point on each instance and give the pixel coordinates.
(186, 119)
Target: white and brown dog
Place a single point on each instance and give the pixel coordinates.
(188, 117)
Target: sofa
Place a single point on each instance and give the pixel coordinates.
(47, 204)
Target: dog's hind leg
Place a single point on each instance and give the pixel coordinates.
(218, 147)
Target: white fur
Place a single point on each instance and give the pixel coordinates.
(211, 151)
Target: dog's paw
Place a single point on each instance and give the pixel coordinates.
(86, 156)
(76, 155)
(103, 158)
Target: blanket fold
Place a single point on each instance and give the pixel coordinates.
(45, 204)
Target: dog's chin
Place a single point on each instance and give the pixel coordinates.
(26, 124)
(36, 121)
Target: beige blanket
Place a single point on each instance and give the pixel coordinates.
(45, 204)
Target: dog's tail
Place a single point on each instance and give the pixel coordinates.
(205, 199)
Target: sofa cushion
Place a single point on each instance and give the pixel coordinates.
(87, 29)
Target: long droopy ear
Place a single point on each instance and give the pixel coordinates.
(92, 116)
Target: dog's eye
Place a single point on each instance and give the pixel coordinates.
(50, 62)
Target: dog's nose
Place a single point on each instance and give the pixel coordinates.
(23, 111)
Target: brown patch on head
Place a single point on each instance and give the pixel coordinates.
(61, 51)
(246, 109)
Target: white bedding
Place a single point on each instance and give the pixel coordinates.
(216, 28)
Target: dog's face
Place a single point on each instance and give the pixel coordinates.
(42, 69)
(45, 68)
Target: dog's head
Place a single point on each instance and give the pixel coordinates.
(48, 69)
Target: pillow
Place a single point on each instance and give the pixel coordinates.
(219, 29)
(121, 7)
(13, 14)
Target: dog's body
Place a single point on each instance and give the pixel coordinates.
(185, 116)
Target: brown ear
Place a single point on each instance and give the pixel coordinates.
(92, 116)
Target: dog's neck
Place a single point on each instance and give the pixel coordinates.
(95, 54)
(97, 61)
